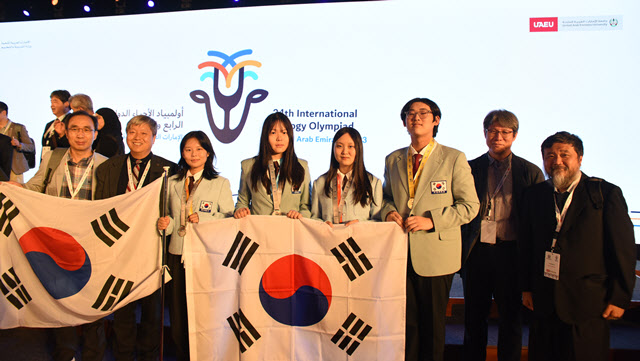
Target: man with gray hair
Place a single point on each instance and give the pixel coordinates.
(119, 175)
(577, 256)
(489, 241)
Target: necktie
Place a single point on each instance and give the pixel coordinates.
(416, 163)
(191, 184)
(136, 172)
(277, 167)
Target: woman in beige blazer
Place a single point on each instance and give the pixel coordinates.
(275, 182)
(347, 193)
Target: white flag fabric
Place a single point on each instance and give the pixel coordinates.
(68, 262)
(273, 288)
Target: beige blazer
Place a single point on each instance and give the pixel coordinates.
(19, 164)
(260, 203)
(322, 206)
(36, 183)
(446, 191)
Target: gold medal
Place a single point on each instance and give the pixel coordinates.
(182, 231)
(410, 203)
(276, 213)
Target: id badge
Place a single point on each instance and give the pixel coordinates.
(552, 265)
(488, 232)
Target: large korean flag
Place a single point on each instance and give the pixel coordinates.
(273, 288)
(68, 262)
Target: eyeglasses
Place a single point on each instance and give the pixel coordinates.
(503, 133)
(412, 114)
(76, 130)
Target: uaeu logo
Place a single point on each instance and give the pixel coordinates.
(229, 67)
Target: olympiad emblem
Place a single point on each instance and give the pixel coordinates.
(228, 102)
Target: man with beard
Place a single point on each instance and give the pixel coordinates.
(577, 256)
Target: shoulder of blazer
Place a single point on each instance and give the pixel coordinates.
(393, 156)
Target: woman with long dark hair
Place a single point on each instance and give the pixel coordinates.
(275, 181)
(196, 194)
(347, 193)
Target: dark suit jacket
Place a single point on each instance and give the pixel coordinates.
(109, 180)
(61, 142)
(6, 157)
(596, 246)
(523, 174)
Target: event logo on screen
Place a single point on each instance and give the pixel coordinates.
(230, 67)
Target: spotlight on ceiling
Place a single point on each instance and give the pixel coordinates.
(151, 4)
(26, 13)
(87, 8)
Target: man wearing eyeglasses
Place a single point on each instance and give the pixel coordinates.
(489, 248)
(428, 191)
(70, 173)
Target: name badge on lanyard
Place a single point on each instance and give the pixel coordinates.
(552, 259)
(339, 196)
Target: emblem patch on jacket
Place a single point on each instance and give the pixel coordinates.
(439, 187)
(205, 206)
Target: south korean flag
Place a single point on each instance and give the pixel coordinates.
(273, 288)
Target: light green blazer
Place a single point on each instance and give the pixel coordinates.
(260, 202)
(447, 191)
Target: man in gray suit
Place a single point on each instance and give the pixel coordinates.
(20, 142)
(429, 192)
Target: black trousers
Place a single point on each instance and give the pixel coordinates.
(66, 342)
(178, 307)
(127, 340)
(550, 339)
(427, 299)
(491, 271)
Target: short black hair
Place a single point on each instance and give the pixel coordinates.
(435, 110)
(4, 107)
(564, 138)
(63, 95)
(67, 119)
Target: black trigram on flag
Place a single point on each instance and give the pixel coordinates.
(10, 284)
(237, 322)
(113, 227)
(349, 255)
(353, 332)
(111, 291)
(241, 258)
(9, 212)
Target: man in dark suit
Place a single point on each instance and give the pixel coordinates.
(578, 256)
(54, 132)
(6, 157)
(119, 175)
(489, 248)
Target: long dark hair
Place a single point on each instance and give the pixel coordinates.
(363, 193)
(290, 169)
(209, 172)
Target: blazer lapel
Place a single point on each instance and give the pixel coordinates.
(401, 167)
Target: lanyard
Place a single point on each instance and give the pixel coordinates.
(187, 202)
(413, 183)
(276, 192)
(561, 214)
(338, 204)
(495, 193)
(74, 192)
(141, 180)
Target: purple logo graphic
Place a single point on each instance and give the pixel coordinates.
(295, 291)
(228, 102)
(59, 261)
